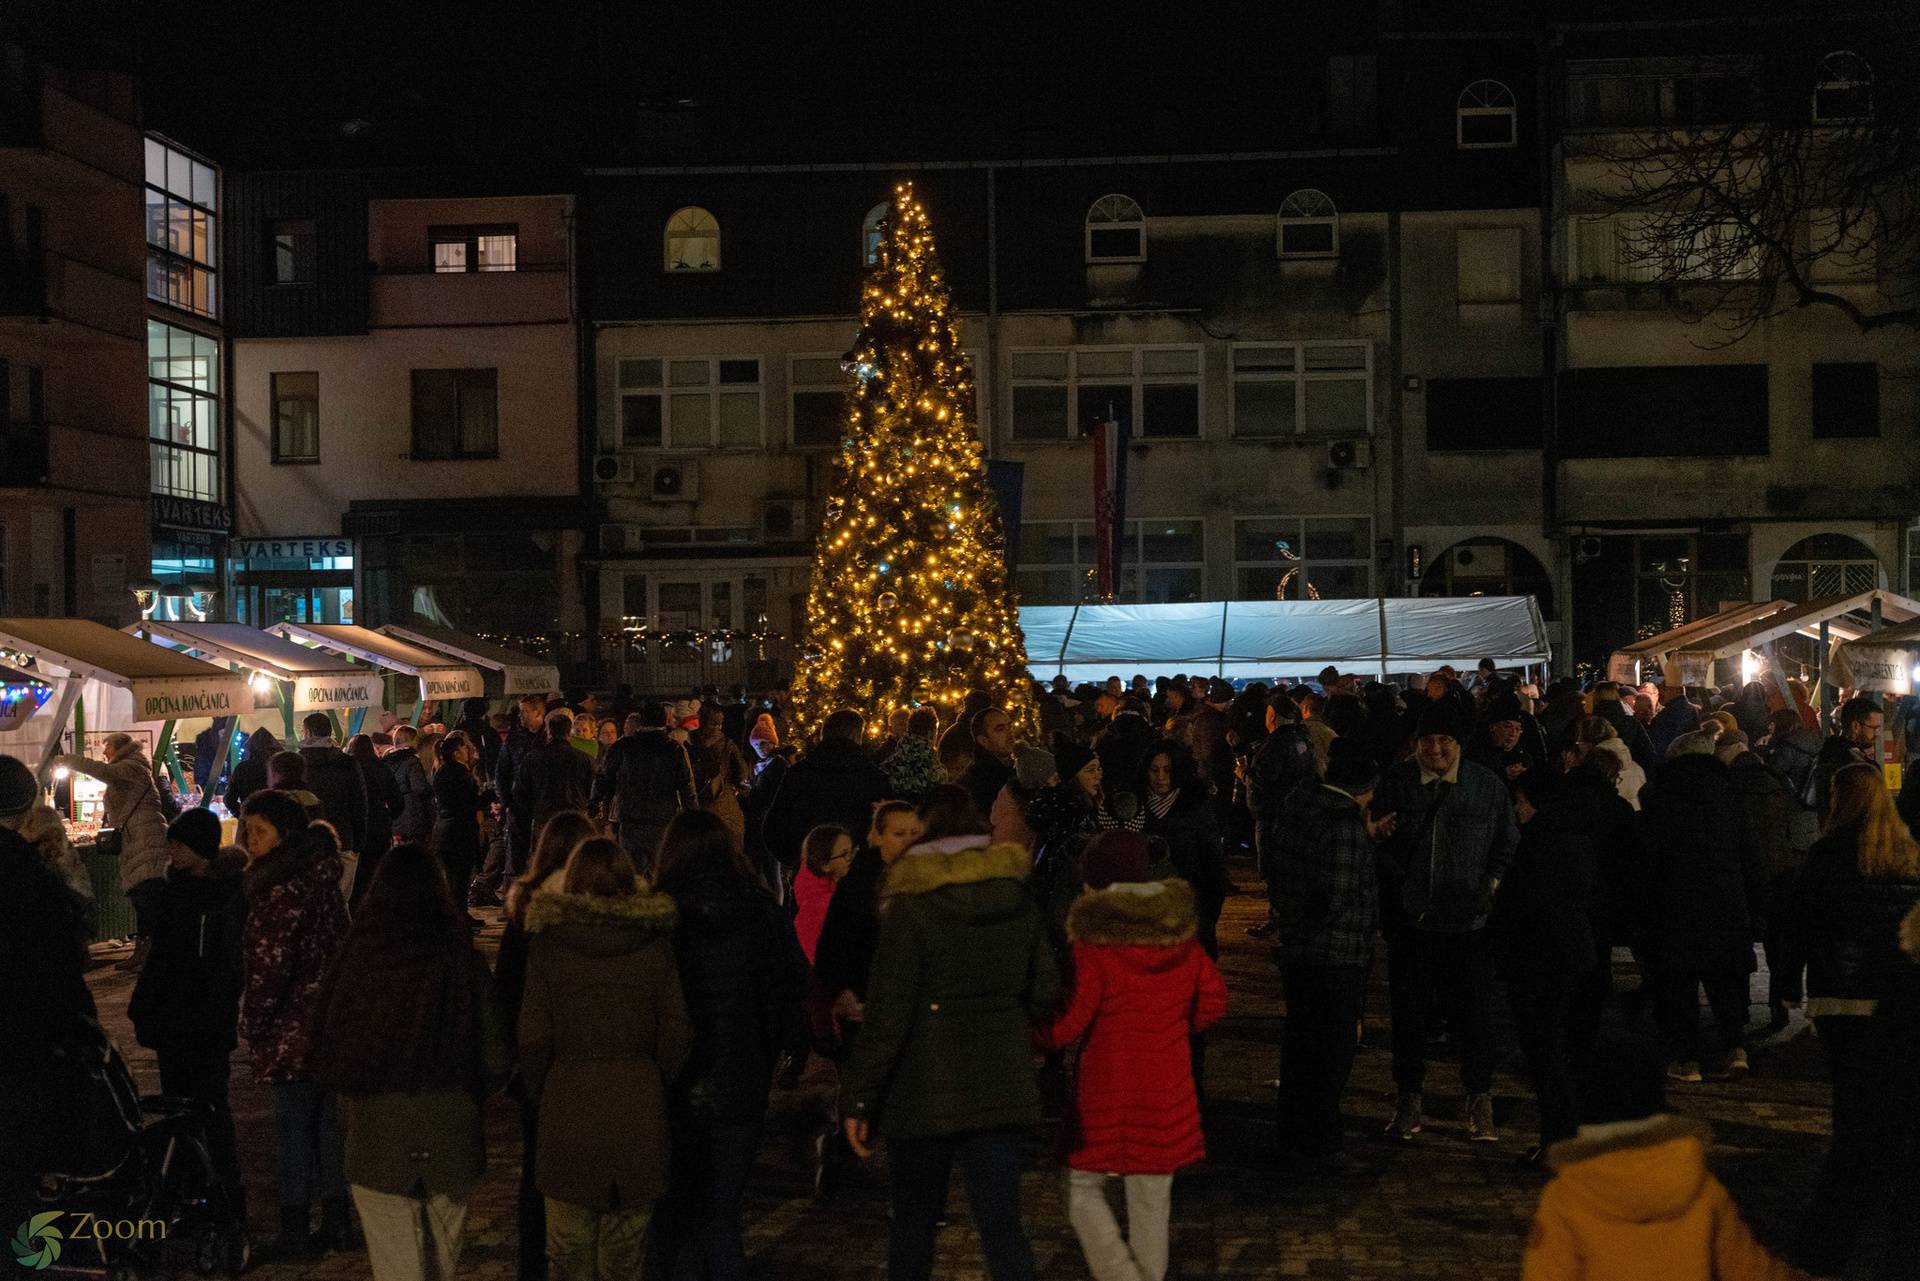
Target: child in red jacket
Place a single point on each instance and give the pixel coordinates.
(1142, 986)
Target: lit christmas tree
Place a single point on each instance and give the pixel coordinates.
(909, 604)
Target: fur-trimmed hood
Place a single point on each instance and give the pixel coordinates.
(1644, 1171)
(1157, 914)
(961, 860)
(1910, 934)
(601, 926)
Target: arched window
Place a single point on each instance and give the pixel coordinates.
(1485, 116)
(1843, 89)
(1116, 230)
(1488, 567)
(872, 228)
(1309, 226)
(693, 241)
(1825, 565)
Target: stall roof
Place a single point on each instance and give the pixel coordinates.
(441, 676)
(1249, 639)
(165, 685)
(520, 673)
(1805, 619)
(1881, 661)
(1624, 666)
(322, 680)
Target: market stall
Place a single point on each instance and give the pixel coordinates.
(1265, 640)
(508, 673)
(287, 679)
(1629, 665)
(1886, 661)
(421, 678)
(1710, 659)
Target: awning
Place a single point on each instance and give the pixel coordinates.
(1246, 640)
(1847, 619)
(322, 680)
(441, 677)
(1625, 664)
(1883, 661)
(163, 685)
(518, 673)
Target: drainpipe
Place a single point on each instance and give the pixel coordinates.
(1396, 406)
(1546, 112)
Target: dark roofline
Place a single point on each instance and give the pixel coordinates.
(864, 166)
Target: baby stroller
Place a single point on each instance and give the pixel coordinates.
(132, 1178)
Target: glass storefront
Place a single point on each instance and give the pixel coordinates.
(292, 580)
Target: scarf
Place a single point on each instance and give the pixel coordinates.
(1161, 806)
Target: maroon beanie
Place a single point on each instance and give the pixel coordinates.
(1114, 857)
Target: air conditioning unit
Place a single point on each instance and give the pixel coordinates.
(612, 469)
(784, 520)
(1349, 455)
(674, 483)
(1480, 561)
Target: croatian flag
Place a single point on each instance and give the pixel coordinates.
(1109, 501)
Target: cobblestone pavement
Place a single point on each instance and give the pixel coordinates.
(1438, 1209)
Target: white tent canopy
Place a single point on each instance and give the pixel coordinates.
(322, 681)
(519, 673)
(1883, 661)
(441, 677)
(1248, 640)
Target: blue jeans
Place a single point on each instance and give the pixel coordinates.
(312, 1157)
(709, 1188)
(990, 1164)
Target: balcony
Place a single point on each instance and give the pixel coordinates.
(534, 294)
(24, 456)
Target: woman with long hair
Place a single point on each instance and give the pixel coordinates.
(1861, 878)
(383, 807)
(1180, 815)
(409, 1038)
(743, 976)
(602, 1029)
(558, 839)
(456, 802)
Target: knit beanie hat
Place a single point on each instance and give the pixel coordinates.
(1698, 743)
(1732, 746)
(1033, 767)
(1349, 767)
(18, 791)
(1437, 717)
(1504, 707)
(1070, 755)
(199, 831)
(1115, 856)
(764, 731)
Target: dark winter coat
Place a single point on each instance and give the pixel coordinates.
(1623, 869)
(250, 773)
(383, 806)
(743, 977)
(519, 741)
(603, 1028)
(188, 993)
(1847, 926)
(414, 822)
(1325, 882)
(296, 923)
(1766, 809)
(1280, 769)
(1709, 884)
(337, 780)
(843, 956)
(43, 958)
(456, 825)
(963, 968)
(984, 778)
(1543, 919)
(1142, 986)
(1452, 842)
(1197, 854)
(555, 776)
(644, 779)
(1835, 755)
(1122, 748)
(1676, 718)
(833, 783)
(767, 779)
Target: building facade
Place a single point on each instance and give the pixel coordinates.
(405, 408)
(73, 441)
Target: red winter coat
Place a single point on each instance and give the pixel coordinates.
(296, 924)
(1142, 985)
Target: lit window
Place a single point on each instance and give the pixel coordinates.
(182, 229)
(1485, 117)
(1844, 88)
(458, 249)
(872, 228)
(183, 411)
(693, 241)
(1116, 230)
(1309, 226)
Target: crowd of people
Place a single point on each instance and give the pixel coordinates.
(986, 919)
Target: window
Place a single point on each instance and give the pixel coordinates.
(1152, 391)
(697, 403)
(872, 229)
(1485, 116)
(296, 417)
(817, 399)
(1486, 267)
(1664, 411)
(1612, 94)
(293, 245)
(1483, 413)
(1846, 400)
(1303, 557)
(183, 412)
(1116, 230)
(1825, 565)
(1309, 226)
(23, 394)
(456, 413)
(1162, 560)
(1843, 89)
(182, 237)
(458, 249)
(1628, 249)
(693, 241)
(1302, 389)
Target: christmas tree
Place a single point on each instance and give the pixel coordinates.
(909, 604)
